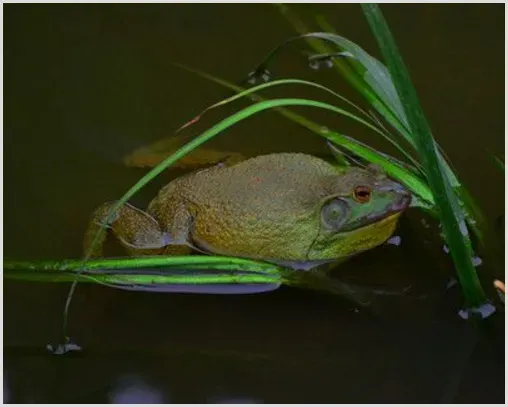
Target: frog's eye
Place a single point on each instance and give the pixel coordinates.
(362, 194)
(334, 213)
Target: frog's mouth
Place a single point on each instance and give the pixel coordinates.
(387, 216)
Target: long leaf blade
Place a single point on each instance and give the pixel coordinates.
(452, 219)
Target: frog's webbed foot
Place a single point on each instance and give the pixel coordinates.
(136, 230)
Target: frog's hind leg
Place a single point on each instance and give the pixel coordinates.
(138, 232)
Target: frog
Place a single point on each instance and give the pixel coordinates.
(290, 209)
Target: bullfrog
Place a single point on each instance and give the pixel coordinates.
(287, 208)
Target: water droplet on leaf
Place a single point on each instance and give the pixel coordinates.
(477, 261)
(463, 228)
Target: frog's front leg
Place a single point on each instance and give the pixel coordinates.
(136, 230)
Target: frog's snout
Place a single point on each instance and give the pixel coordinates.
(402, 196)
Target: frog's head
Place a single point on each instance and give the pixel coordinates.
(360, 212)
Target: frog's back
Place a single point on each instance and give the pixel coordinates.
(278, 182)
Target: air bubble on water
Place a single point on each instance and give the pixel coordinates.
(394, 240)
(445, 249)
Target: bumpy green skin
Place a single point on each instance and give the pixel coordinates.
(268, 207)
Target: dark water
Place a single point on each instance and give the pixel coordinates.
(85, 84)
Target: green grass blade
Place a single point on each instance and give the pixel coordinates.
(247, 92)
(349, 69)
(372, 71)
(153, 271)
(168, 270)
(210, 270)
(147, 280)
(115, 279)
(301, 120)
(451, 217)
(194, 261)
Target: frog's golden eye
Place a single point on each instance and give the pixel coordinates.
(362, 194)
